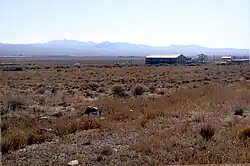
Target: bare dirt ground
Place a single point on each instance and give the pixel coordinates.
(150, 115)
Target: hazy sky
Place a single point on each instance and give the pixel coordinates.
(211, 23)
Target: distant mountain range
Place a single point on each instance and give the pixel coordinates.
(78, 48)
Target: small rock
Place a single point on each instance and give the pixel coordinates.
(73, 162)
(131, 110)
(44, 117)
(92, 111)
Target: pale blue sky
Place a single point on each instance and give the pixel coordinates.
(211, 23)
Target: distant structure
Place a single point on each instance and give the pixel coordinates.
(121, 64)
(226, 58)
(77, 65)
(202, 58)
(165, 59)
(235, 59)
(240, 61)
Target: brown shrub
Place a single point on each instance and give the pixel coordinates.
(143, 122)
(66, 127)
(118, 90)
(3, 110)
(90, 123)
(239, 111)
(35, 138)
(152, 114)
(69, 126)
(139, 89)
(41, 90)
(152, 88)
(15, 103)
(93, 86)
(244, 133)
(13, 141)
(107, 150)
(4, 127)
(207, 131)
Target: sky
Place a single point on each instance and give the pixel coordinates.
(209, 23)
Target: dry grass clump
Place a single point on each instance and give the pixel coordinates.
(3, 110)
(207, 131)
(93, 86)
(15, 103)
(152, 89)
(34, 138)
(69, 126)
(139, 89)
(244, 133)
(47, 90)
(27, 131)
(118, 90)
(150, 145)
(107, 150)
(15, 141)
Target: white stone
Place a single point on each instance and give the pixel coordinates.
(73, 162)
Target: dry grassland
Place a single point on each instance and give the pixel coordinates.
(150, 116)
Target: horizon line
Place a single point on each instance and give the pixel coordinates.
(46, 42)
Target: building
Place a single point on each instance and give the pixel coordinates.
(240, 61)
(202, 58)
(165, 59)
(226, 58)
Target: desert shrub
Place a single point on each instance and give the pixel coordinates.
(139, 89)
(35, 138)
(65, 128)
(90, 123)
(50, 89)
(4, 127)
(41, 90)
(161, 92)
(239, 111)
(198, 117)
(41, 99)
(143, 122)
(12, 68)
(244, 133)
(3, 110)
(101, 90)
(33, 67)
(15, 103)
(93, 86)
(207, 131)
(118, 90)
(152, 88)
(13, 141)
(53, 90)
(107, 150)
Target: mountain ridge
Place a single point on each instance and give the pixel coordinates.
(107, 48)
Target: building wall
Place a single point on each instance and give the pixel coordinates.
(180, 60)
